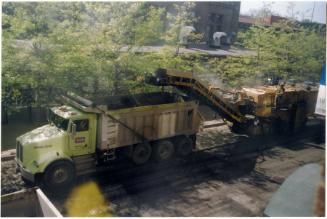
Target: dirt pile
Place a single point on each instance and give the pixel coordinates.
(10, 180)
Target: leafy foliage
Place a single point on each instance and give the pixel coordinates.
(286, 50)
(93, 48)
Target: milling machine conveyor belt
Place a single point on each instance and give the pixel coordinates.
(189, 81)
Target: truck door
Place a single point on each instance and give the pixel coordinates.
(80, 143)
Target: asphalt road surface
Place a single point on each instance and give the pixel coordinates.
(208, 183)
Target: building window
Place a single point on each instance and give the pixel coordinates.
(219, 18)
(215, 18)
(212, 17)
(211, 30)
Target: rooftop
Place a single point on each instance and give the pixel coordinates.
(267, 21)
(194, 49)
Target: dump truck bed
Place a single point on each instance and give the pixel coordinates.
(128, 120)
(154, 116)
(136, 100)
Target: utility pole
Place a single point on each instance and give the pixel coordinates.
(313, 9)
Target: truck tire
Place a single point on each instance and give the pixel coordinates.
(59, 175)
(141, 153)
(163, 150)
(184, 146)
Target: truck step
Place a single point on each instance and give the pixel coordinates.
(84, 162)
(110, 155)
(84, 158)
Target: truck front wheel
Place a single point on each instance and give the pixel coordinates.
(59, 175)
(141, 153)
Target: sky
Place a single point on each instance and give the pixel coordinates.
(302, 8)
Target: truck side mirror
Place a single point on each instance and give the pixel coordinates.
(73, 129)
(48, 114)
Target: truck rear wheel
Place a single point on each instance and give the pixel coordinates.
(184, 146)
(141, 153)
(59, 175)
(163, 150)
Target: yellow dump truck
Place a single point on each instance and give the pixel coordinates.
(84, 134)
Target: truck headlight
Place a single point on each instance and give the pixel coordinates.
(35, 164)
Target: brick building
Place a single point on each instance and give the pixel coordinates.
(217, 17)
(212, 16)
(246, 21)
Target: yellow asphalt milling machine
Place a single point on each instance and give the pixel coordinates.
(254, 111)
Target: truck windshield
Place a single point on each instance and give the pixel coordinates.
(58, 120)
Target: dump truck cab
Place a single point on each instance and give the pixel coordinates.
(80, 126)
(69, 133)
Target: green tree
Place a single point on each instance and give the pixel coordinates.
(287, 50)
(98, 48)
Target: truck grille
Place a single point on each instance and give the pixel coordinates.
(19, 151)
